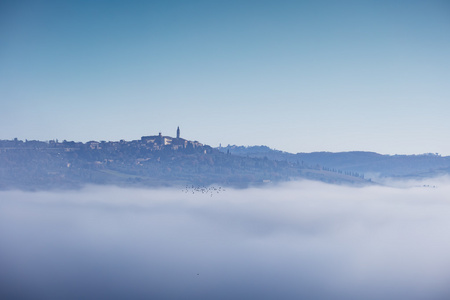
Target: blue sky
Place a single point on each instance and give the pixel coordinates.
(298, 76)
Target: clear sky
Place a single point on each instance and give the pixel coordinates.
(298, 76)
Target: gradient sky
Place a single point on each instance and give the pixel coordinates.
(299, 76)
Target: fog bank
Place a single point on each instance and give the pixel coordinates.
(298, 240)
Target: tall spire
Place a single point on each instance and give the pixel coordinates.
(178, 132)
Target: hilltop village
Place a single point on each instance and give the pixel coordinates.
(150, 143)
(157, 142)
(155, 160)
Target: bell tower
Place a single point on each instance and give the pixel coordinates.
(178, 132)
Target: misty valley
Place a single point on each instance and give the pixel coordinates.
(167, 218)
(295, 240)
(226, 149)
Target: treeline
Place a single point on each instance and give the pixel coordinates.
(53, 164)
(356, 163)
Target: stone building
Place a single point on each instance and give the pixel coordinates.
(159, 141)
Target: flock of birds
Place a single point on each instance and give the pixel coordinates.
(211, 190)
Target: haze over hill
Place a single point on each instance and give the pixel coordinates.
(160, 160)
(371, 164)
(151, 161)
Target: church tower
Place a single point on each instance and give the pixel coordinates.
(178, 132)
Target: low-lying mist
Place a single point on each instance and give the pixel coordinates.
(302, 240)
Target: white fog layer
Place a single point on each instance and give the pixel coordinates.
(302, 240)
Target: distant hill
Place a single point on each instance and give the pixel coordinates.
(370, 163)
(151, 161)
